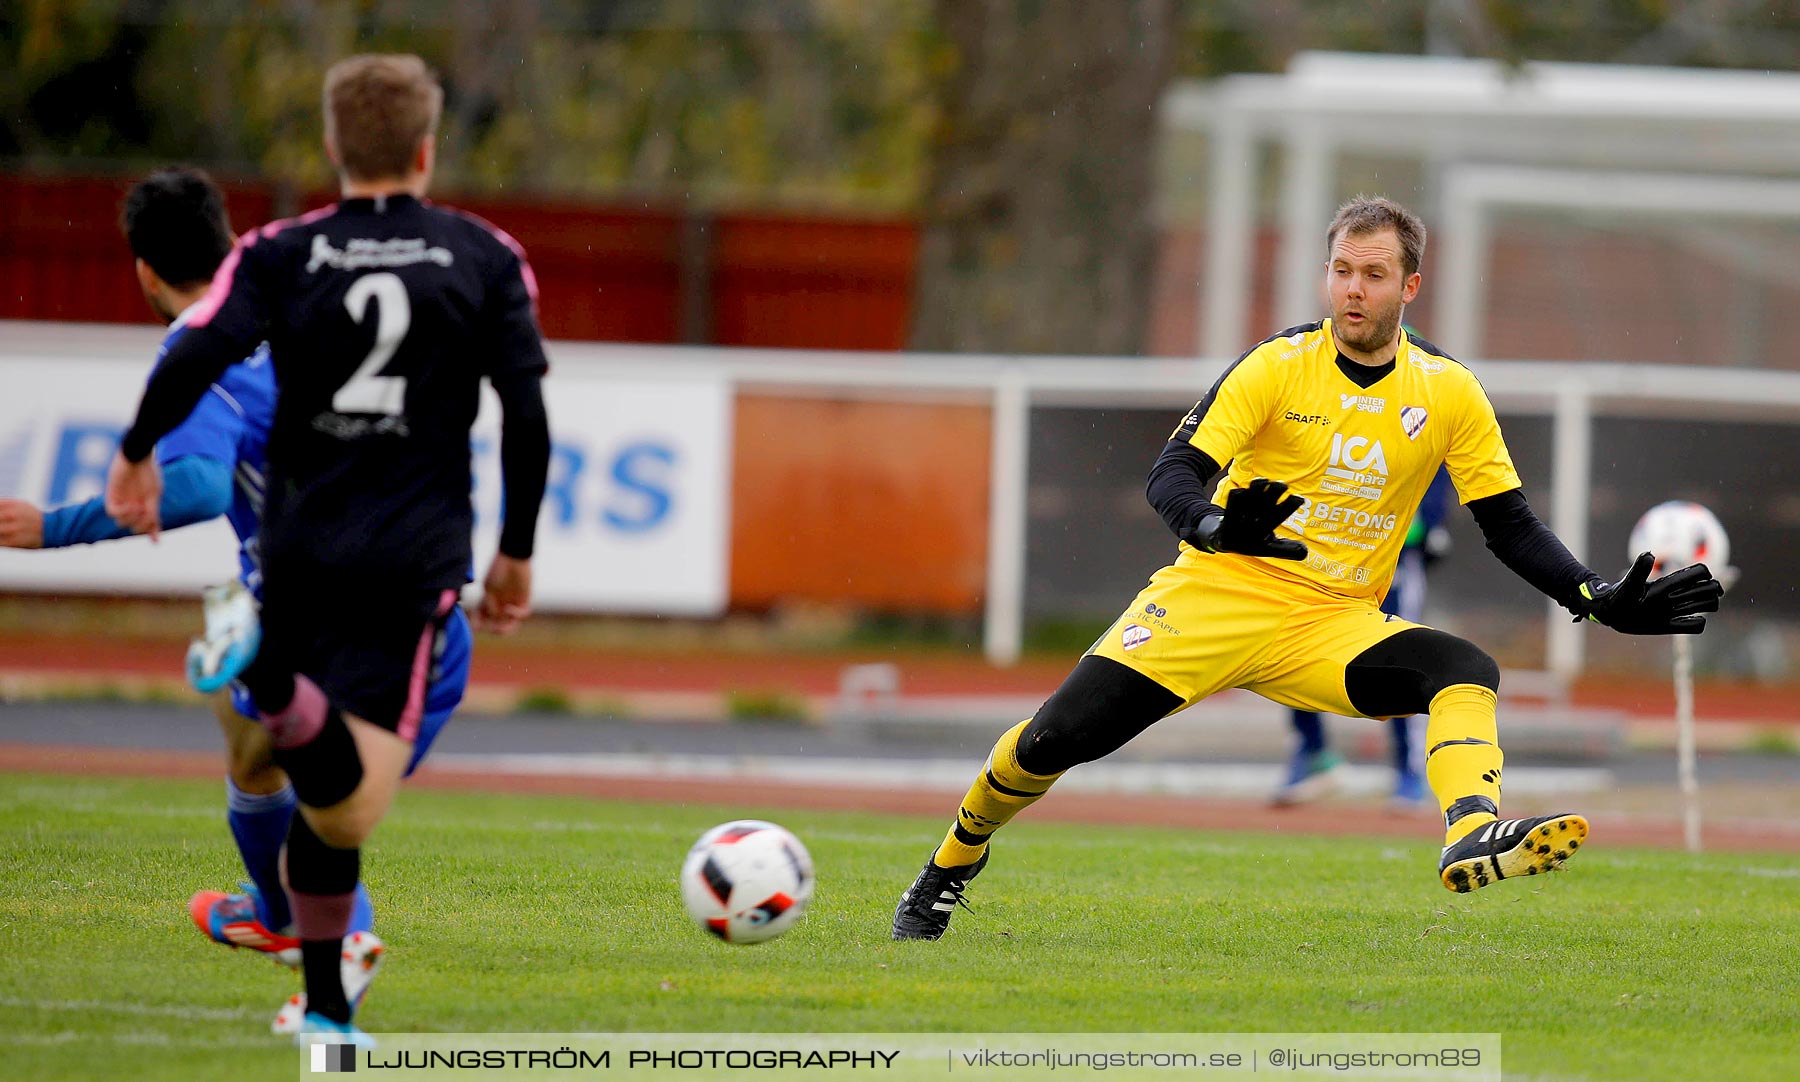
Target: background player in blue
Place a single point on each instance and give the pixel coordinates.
(214, 464)
(384, 315)
(1310, 770)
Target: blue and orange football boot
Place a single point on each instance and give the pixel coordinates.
(231, 919)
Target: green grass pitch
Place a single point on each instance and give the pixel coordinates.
(509, 913)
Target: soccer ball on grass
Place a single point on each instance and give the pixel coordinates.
(747, 881)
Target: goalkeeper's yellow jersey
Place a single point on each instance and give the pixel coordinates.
(1360, 457)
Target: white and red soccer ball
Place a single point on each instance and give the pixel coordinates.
(747, 881)
(1680, 533)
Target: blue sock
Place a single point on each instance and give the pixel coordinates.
(1311, 728)
(362, 918)
(260, 825)
(1402, 728)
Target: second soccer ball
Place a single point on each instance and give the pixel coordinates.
(1680, 533)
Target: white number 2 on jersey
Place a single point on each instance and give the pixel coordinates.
(367, 391)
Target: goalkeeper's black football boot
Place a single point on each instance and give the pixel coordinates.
(924, 910)
(1511, 847)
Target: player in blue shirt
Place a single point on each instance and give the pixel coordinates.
(214, 464)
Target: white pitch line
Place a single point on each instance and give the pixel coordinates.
(203, 1014)
(1178, 779)
(159, 1040)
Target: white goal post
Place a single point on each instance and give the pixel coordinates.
(1444, 111)
(1469, 196)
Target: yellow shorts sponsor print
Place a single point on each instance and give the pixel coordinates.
(1215, 621)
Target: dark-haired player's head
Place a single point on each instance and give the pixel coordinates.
(174, 220)
(381, 118)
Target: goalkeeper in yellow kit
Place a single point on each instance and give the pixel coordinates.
(1328, 435)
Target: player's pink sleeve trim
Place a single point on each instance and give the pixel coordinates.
(221, 285)
(526, 273)
(501, 235)
(222, 278)
(308, 218)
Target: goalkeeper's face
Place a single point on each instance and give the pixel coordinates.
(1369, 290)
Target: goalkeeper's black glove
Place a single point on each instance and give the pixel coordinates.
(1636, 606)
(1248, 523)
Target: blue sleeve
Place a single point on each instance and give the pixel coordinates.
(211, 431)
(195, 489)
(222, 329)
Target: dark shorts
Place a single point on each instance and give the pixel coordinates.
(371, 653)
(448, 680)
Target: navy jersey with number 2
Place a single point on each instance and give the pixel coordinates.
(382, 317)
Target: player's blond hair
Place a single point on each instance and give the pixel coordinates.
(378, 106)
(1371, 214)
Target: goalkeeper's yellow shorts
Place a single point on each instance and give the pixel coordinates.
(1217, 621)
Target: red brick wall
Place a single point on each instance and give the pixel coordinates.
(651, 275)
(605, 274)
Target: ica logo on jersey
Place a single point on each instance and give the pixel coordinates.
(1358, 467)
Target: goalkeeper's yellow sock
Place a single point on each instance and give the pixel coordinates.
(1462, 757)
(1003, 790)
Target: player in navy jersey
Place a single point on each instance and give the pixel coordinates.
(213, 465)
(383, 314)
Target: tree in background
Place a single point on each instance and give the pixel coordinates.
(823, 104)
(733, 101)
(1020, 132)
(1038, 218)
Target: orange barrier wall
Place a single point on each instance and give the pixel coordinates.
(880, 504)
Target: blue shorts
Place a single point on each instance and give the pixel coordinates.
(444, 689)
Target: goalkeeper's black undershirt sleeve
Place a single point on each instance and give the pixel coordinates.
(1529, 548)
(1179, 483)
(1178, 489)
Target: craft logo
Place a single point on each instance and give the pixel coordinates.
(333, 1058)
